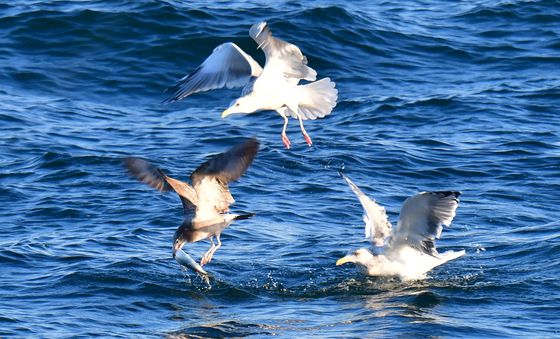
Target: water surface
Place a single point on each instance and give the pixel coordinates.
(432, 96)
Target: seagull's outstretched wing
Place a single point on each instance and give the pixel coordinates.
(211, 179)
(281, 55)
(422, 217)
(154, 177)
(227, 66)
(378, 226)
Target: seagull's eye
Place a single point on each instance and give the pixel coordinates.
(237, 104)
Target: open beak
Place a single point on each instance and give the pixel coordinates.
(344, 260)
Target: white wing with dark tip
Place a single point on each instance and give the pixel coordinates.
(422, 218)
(282, 56)
(377, 226)
(228, 66)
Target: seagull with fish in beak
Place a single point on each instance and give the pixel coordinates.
(205, 202)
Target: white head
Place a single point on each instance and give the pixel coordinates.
(245, 104)
(362, 258)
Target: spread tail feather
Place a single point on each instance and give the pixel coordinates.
(317, 99)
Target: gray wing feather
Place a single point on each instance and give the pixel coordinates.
(211, 179)
(227, 66)
(154, 177)
(422, 218)
(147, 173)
(377, 225)
(289, 54)
(248, 87)
(230, 165)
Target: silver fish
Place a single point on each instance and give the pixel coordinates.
(186, 260)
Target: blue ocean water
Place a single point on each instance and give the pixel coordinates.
(432, 95)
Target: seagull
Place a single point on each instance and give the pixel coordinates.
(408, 251)
(206, 201)
(275, 87)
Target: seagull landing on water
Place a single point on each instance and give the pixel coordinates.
(275, 87)
(408, 251)
(206, 202)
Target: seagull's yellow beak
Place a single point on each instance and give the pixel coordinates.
(344, 260)
(226, 113)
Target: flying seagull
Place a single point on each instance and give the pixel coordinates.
(408, 251)
(206, 201)
(275, 87)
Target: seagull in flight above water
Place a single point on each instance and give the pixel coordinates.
(275, 87)
(408, 251)
(206, 201)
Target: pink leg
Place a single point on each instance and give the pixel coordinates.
(215, 248)
(208, 255)
(305, 135)
(285, 139)
(307, 138)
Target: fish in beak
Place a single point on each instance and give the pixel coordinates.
(184, 259)
(178, 243)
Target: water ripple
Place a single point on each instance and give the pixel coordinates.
(432, 97)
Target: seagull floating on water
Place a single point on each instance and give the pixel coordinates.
(206, 202)
(408, 251)
(274, 87)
